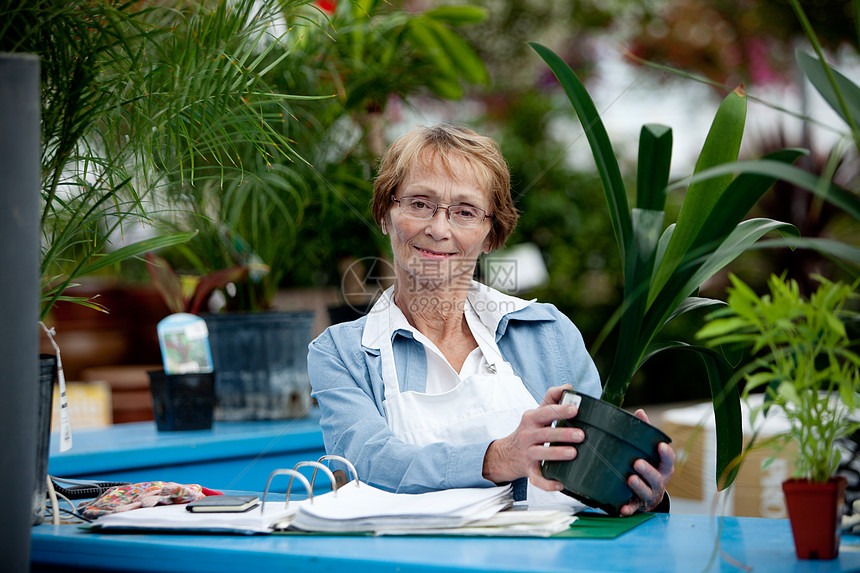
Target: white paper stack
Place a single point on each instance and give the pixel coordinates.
(361, 508)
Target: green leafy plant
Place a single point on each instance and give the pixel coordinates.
(88, 193)
(804, 360)
(369, 53)
(225, 163)
(349, 63)
(843, 96)
(665, 264)
(376, 49)
(189, 294)
(135, 102)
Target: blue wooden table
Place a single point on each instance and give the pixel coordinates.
(232, 455)
(666, 543)
(240, 456)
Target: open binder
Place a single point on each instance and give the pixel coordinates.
(357, 507)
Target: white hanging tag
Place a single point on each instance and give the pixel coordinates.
(65, 423)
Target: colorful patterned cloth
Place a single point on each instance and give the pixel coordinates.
(146, 494)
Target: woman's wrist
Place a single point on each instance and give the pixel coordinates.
(495, 467)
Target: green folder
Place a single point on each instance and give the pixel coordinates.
(600, 526)
(587, 526)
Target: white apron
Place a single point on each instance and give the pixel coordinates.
(481, 407)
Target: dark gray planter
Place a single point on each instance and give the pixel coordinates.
(20, 152)
(182, 401)
(47, 376)
(614, 439)
(261, 364)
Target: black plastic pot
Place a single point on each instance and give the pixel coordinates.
(47, 376)
(614, 440)
(261, 364)
(182, 401)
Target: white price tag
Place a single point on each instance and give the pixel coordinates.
(65, 422)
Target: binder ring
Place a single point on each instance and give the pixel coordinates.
(317, 466)
(345, 462)
(292, 474)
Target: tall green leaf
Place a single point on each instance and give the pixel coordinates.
(601, 147)
(655, 154)
(725, 396)
(842, 95)
(841, 253)
(740, 240)
(830, 81)
(721, 146)
(638, 267)
(699, 262)
(739, 197)
(655, 161)
(773, 169)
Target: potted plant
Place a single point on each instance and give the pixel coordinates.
(806, 364)
(114, 130)
(86, 195)
(349, 62)
(663, 266)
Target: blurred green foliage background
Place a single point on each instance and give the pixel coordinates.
(375, 68)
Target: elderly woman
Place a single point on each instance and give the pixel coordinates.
(448, 383)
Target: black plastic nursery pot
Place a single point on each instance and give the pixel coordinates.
(47, 377)
(614, 440)
(182, 401)
(261, 361)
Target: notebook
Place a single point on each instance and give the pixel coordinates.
(223, 504)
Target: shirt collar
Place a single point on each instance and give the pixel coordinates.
(491, 306)
(385, 319)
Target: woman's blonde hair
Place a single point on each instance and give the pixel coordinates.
(444, 143)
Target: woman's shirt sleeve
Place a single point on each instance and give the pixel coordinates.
(546, 349)
(354, 426)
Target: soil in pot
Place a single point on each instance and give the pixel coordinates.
(815, 512)
(614, 440)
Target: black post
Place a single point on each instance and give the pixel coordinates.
(19, 301)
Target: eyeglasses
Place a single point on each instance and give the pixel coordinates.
(423, 209)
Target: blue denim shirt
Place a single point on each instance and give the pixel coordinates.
(542, 345)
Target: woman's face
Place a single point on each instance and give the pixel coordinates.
(435, 252)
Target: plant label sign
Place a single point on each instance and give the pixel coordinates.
(184, 342)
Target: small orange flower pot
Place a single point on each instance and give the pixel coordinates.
(815, 512)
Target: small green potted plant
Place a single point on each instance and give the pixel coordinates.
(806, 364)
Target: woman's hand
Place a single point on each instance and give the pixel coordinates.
(650, 483)
(521, 453)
